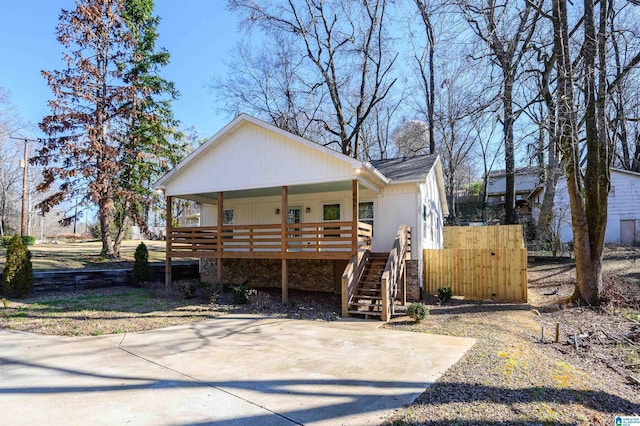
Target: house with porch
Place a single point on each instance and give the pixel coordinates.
(279, 210)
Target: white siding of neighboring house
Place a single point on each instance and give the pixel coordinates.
(255, 157)
(524, 183)
(623, 204)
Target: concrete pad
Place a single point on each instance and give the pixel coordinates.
(230, 370)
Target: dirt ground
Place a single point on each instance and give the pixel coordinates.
(512, 377)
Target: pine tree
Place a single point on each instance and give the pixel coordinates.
(111, 130)
(141, 270)
(152, 143)
(17, 276)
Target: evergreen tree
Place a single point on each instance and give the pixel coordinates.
(17, 278)
(141, 269)
(152, 143)
(110, 130)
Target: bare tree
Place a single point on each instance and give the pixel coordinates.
(346, 46)
(588, 187)
(265, 81)
(426, 67)
(506, 28)
(412, 138)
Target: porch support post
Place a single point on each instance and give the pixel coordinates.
(219, 238)
(355, 196)
(168, 229)
(283, 240)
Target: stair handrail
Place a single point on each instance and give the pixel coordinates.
(394, 270)
(351, 276)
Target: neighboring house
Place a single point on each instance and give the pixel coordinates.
(277, 209)
(528, 187)
(623, 217)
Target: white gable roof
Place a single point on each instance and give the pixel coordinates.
(250, 153)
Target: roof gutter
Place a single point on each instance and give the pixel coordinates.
(367, 165)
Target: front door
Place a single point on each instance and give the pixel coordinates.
(628, 232)
(294, 215)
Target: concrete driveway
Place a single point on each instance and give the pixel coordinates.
(233, 370)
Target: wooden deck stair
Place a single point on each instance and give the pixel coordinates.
(366, 300)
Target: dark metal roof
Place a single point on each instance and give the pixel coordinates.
(530, 170)
(405, 168)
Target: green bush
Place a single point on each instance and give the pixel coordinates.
(444, 294)
(141, 269)
(17, 278)
(417, 311)
(239, 294)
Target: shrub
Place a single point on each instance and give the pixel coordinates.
(186, 289)
(239, 294)
(17, 278)
(417, 311)
(444, 294)
(141, 270)
(259, 299)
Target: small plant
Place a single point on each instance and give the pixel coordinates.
(239, 294)
(417, 311)
(141, 269)
(259, 299)
(444, 294)
(186, 289)
(17, 278)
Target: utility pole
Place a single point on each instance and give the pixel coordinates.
(24, 165)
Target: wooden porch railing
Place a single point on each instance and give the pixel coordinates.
(395, 271)
(352, 274)
(301, 239)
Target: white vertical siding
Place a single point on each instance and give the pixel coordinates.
(255, 157)
(432, 235)
(396, 206)
(262, 210)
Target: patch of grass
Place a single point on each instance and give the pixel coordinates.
(100, 311)
(83, 255)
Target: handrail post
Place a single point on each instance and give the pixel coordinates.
(168, 248)
(384, 287)
(284, 243)
(219, 247)
(354, 226)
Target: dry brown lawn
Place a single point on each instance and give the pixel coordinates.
(511, 377)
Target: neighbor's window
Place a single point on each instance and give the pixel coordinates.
(331, 212)
(227, 217)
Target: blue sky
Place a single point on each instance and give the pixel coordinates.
(199, 34)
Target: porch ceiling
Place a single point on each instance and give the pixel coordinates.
(274, 191)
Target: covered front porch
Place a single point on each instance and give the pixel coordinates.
(290, 238)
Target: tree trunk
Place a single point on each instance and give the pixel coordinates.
(105, 218)
(511, 216)
(120, 237)
(588, 210)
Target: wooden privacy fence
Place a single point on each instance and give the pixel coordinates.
(483, 262)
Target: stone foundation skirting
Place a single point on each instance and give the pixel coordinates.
(304, 274)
